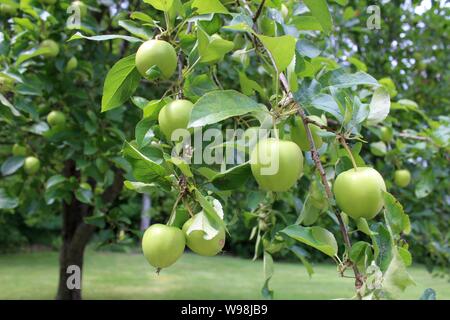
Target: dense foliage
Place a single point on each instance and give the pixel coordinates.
(378, 97)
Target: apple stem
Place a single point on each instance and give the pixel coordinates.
(349, 152)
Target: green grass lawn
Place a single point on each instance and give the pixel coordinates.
(128, 276)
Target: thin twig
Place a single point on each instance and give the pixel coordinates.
(258, 12)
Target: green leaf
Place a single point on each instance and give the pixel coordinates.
(12, 164)
(233, 178)
(382, 243)
(210, 211)
(282, 49)
(302, 254)
(363, 226)
(319, 9)
(54, 181)
(143, 131)
(162, 5)
(27, 55)
(248, 86)
(137, 29)
(405, 255)
(316, 237)
(97, 220)
(339, 78)
(145, 169)
(212, 49)
(361, 66)
(210, 6)
(326, 102)
(396, 278)
(152, 108)
(7, 202)
(182, 165)
(78, 35)
(136, 15)
(309, 213)
(84, 195)
(268, 273)
(425, 185)
(361, 254)
(211, 108)
(9, 105)
(396, 218)
(240, 22)
(198, 85)
(307, 48)
(308, 23)
(121, 82)
(380, 106)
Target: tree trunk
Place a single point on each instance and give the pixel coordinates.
(76, 235)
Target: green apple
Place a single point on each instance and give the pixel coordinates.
(402, 178)
(80, 6)
(52, 48)
(197, 243)
(386, 134)
(56, 118)
(18, 150)
(71, 64)
(298, 133)
(174, 115)
(358, 192)
(156, 53)
(163, 245)
(31, 165)
(276, 164)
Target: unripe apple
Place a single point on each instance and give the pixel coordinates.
(358, 192)
(19, 151)
(71, 64)
(31, 165)
(386, 134)
(163, 245)
(298, 133)
(52, 48)
(402, 178)
(156, 53)
(56, 118)
(174, 115)
(198, 244)
(276, 164)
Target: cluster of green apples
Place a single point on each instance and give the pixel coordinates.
(358, 191)
(163, 245)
